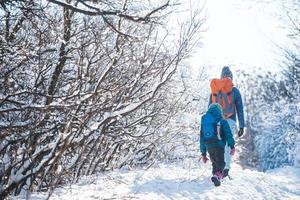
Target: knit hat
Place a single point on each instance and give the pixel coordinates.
(226, 73)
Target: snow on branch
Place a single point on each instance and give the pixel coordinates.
(94, 11)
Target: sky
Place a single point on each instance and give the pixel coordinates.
(240, 35)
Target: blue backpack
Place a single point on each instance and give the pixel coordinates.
(210, 129)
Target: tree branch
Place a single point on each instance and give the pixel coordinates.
(99, 12)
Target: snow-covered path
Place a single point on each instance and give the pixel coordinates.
(188, 180)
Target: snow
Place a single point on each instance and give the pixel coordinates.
(188, 179)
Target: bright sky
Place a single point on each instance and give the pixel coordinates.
(239, 36)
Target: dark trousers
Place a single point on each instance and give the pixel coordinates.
(216, 155)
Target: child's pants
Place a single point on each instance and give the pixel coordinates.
(216, 155)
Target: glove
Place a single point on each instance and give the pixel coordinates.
(232, 151)
(204, 159)
(241, 132)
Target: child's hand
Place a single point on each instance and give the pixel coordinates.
(232, 151)
(204, 159)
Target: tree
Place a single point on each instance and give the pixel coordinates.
(272, 100)
(271, 121)
(85, 85)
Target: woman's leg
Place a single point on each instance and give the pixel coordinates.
(227, 156)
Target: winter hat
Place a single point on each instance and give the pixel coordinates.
(215, 108)
(226, 73)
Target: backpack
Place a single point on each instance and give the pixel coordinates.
(221, 92)
(210, 129)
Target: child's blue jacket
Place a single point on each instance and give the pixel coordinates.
(225, 131)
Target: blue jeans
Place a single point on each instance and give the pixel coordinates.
(227, 156)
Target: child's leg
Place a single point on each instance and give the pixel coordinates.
(216, 155)
(212, 156)
(217, 158)
(220, 163)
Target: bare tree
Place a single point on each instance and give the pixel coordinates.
(84, 85)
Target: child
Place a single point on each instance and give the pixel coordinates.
(214, 134)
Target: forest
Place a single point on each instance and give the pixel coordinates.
(88, 86)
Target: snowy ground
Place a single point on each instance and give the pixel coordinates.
(186, 180)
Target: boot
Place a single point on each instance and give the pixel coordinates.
(216, 178)
(225, 172)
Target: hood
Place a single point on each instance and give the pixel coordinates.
(216, 110)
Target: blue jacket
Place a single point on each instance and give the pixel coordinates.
(238, 108)
(225, 132)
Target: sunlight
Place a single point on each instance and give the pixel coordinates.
(239, 36)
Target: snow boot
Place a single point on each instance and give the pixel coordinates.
(216, 179)
(225, 172)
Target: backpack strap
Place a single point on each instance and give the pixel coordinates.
(213, 97)
(226, 103)
(228, 109)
